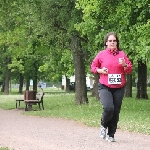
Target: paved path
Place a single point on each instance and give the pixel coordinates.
(21, 132)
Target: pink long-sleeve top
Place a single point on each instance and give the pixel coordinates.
(106, 59)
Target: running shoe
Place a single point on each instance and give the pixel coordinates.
(110, 139)
(103, 132)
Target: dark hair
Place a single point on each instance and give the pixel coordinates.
(107, 36)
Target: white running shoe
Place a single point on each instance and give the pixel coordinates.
(110, 139)
(103, 132)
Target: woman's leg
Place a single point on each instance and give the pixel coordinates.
(117, 101)
(106, 99)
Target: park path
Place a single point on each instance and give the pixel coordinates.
(20, 132)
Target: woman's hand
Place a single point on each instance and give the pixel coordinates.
(122, 62)
(102, 71)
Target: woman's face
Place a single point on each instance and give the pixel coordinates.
(111, 42)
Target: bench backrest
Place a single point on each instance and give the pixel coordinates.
(39, 96)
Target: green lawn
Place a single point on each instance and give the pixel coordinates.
(4, 148)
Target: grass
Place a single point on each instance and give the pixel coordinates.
(4, 148)
(134, 115)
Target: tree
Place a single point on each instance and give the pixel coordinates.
(127, 18)
(141, 84)
(21, 38)
(7, 39)
(80, 76)
(61, 17)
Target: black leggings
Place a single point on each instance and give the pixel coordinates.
(111, 99)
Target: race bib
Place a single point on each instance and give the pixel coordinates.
(114, 78)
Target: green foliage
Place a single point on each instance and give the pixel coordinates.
(130, 19)
(38, 32)
(59, 18)
(15, 39)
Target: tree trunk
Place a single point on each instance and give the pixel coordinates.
(35, 84)
(35, 76)
(128, 88)
(3, 85)
(142, 81)
(7, 77)
(67, 84)
(95, 87)
(80, 76)
(27, 84)
(21, 83)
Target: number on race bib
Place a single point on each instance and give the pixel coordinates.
(114, 78)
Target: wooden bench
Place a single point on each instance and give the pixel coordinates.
(38, 100)
(18, 100)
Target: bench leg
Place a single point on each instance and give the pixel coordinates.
(39, 106)
(28, 107)
(42, 106)
(16, 104)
